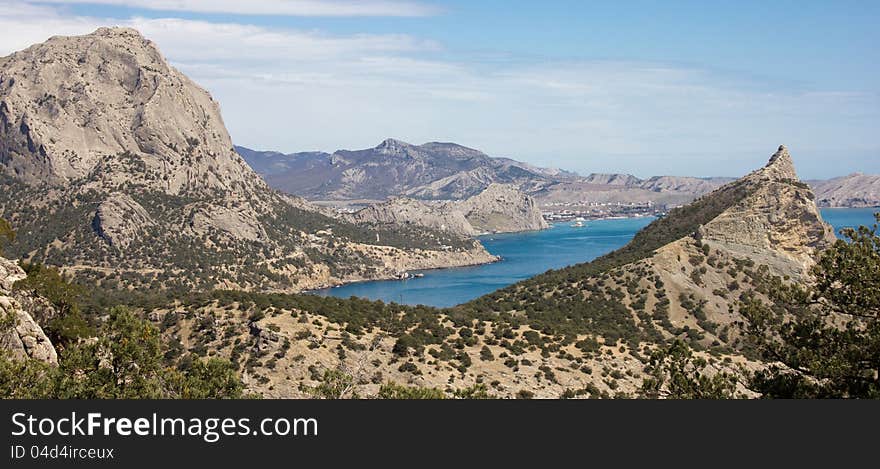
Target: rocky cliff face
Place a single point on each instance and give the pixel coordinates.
(502, 209)
(20, 335)
(73, 105)
(777, 224)
(405, 211)
(117, 167)
(498, 209)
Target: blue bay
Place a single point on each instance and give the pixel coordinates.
(528, 254)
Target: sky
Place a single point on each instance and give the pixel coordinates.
(642, 87)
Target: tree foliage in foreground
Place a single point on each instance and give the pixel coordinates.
(69, 324)
(675, 373)
(823, 339)
(7, 234)
(124, 361)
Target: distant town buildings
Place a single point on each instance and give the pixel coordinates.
(568, 211)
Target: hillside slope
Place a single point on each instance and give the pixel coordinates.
(853, 191)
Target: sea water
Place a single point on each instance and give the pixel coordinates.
(527, 254)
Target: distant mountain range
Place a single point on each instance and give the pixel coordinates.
(448, 171)
(393, 168)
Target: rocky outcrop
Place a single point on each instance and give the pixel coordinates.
(498, 209)
(238, 222)
(20, 335)
(502, 209)
(853, 191)
(70, 103)
(778, 224)
(119, 220)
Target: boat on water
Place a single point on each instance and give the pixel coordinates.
(578, 223)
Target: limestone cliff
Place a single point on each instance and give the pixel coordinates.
(71, 105)
(502, 209)
(777, 224)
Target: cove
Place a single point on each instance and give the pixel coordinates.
(528, 254)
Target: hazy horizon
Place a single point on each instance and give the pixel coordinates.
(684, 88)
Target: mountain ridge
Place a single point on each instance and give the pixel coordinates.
(296, 173)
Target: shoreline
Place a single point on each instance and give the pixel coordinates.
(495, 260)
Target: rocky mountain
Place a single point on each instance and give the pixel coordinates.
(853, 191)
(681, 275)
(117, 167)
(611, 179)
(498, 209)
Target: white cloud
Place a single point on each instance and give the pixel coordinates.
(273, 7)
(293, 90)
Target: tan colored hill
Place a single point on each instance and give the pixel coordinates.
(73, 106)
(117, 167)
(502, 208)
(853, 191)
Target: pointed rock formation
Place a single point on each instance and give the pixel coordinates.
(777, 224)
